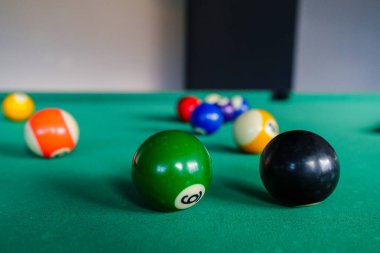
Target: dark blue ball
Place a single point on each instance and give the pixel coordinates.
(240, 105)
(227, 109)
(206, 119)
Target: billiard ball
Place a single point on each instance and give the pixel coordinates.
(51, 132)
(240, 105)
(206, 119)
(186, 106)
(226, 108)
(18, 106)
(254, 129)
(299, 168)
(213, 98)
(171, 170)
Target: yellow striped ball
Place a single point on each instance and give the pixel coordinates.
(254, 129)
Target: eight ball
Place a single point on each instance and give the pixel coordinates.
(299, 168)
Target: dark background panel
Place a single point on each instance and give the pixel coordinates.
(245, 44)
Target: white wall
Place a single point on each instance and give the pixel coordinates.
(137, 45)
(91, 45)
(338, 46)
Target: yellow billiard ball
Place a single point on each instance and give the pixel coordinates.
(18, 106)
(254, 129)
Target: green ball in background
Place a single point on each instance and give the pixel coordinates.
(172, 170)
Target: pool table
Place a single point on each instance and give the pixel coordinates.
(86, 202)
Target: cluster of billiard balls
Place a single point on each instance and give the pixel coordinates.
(253, 128)
(207, 117)
(172, 169)
(49, 132)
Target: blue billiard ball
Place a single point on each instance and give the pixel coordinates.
(240, 105)
(206, 119)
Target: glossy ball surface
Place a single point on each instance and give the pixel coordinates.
(254, 129)
(18, 106)
(213, 98)
(226, 108)
(172, 170)
(51, 132)
(299, 168)
(186, 106)
(240, 105)
(206, 119)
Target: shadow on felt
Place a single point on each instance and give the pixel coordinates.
(375, 129)
(244, 192)
(152, 129)
(14, 150)
(159, 118)
(223, 148)
(125, 188)
(117, 193)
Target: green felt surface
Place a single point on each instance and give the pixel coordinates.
(85, 202)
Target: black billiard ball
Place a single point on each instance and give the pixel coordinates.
(299, 168)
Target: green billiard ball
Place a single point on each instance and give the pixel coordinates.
(172, 170)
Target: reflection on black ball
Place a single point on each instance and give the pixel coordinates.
(299, 168)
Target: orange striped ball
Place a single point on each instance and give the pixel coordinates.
(51, 132)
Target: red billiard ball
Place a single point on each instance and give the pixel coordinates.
(186, 106)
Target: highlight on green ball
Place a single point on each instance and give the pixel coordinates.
(172, 170)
